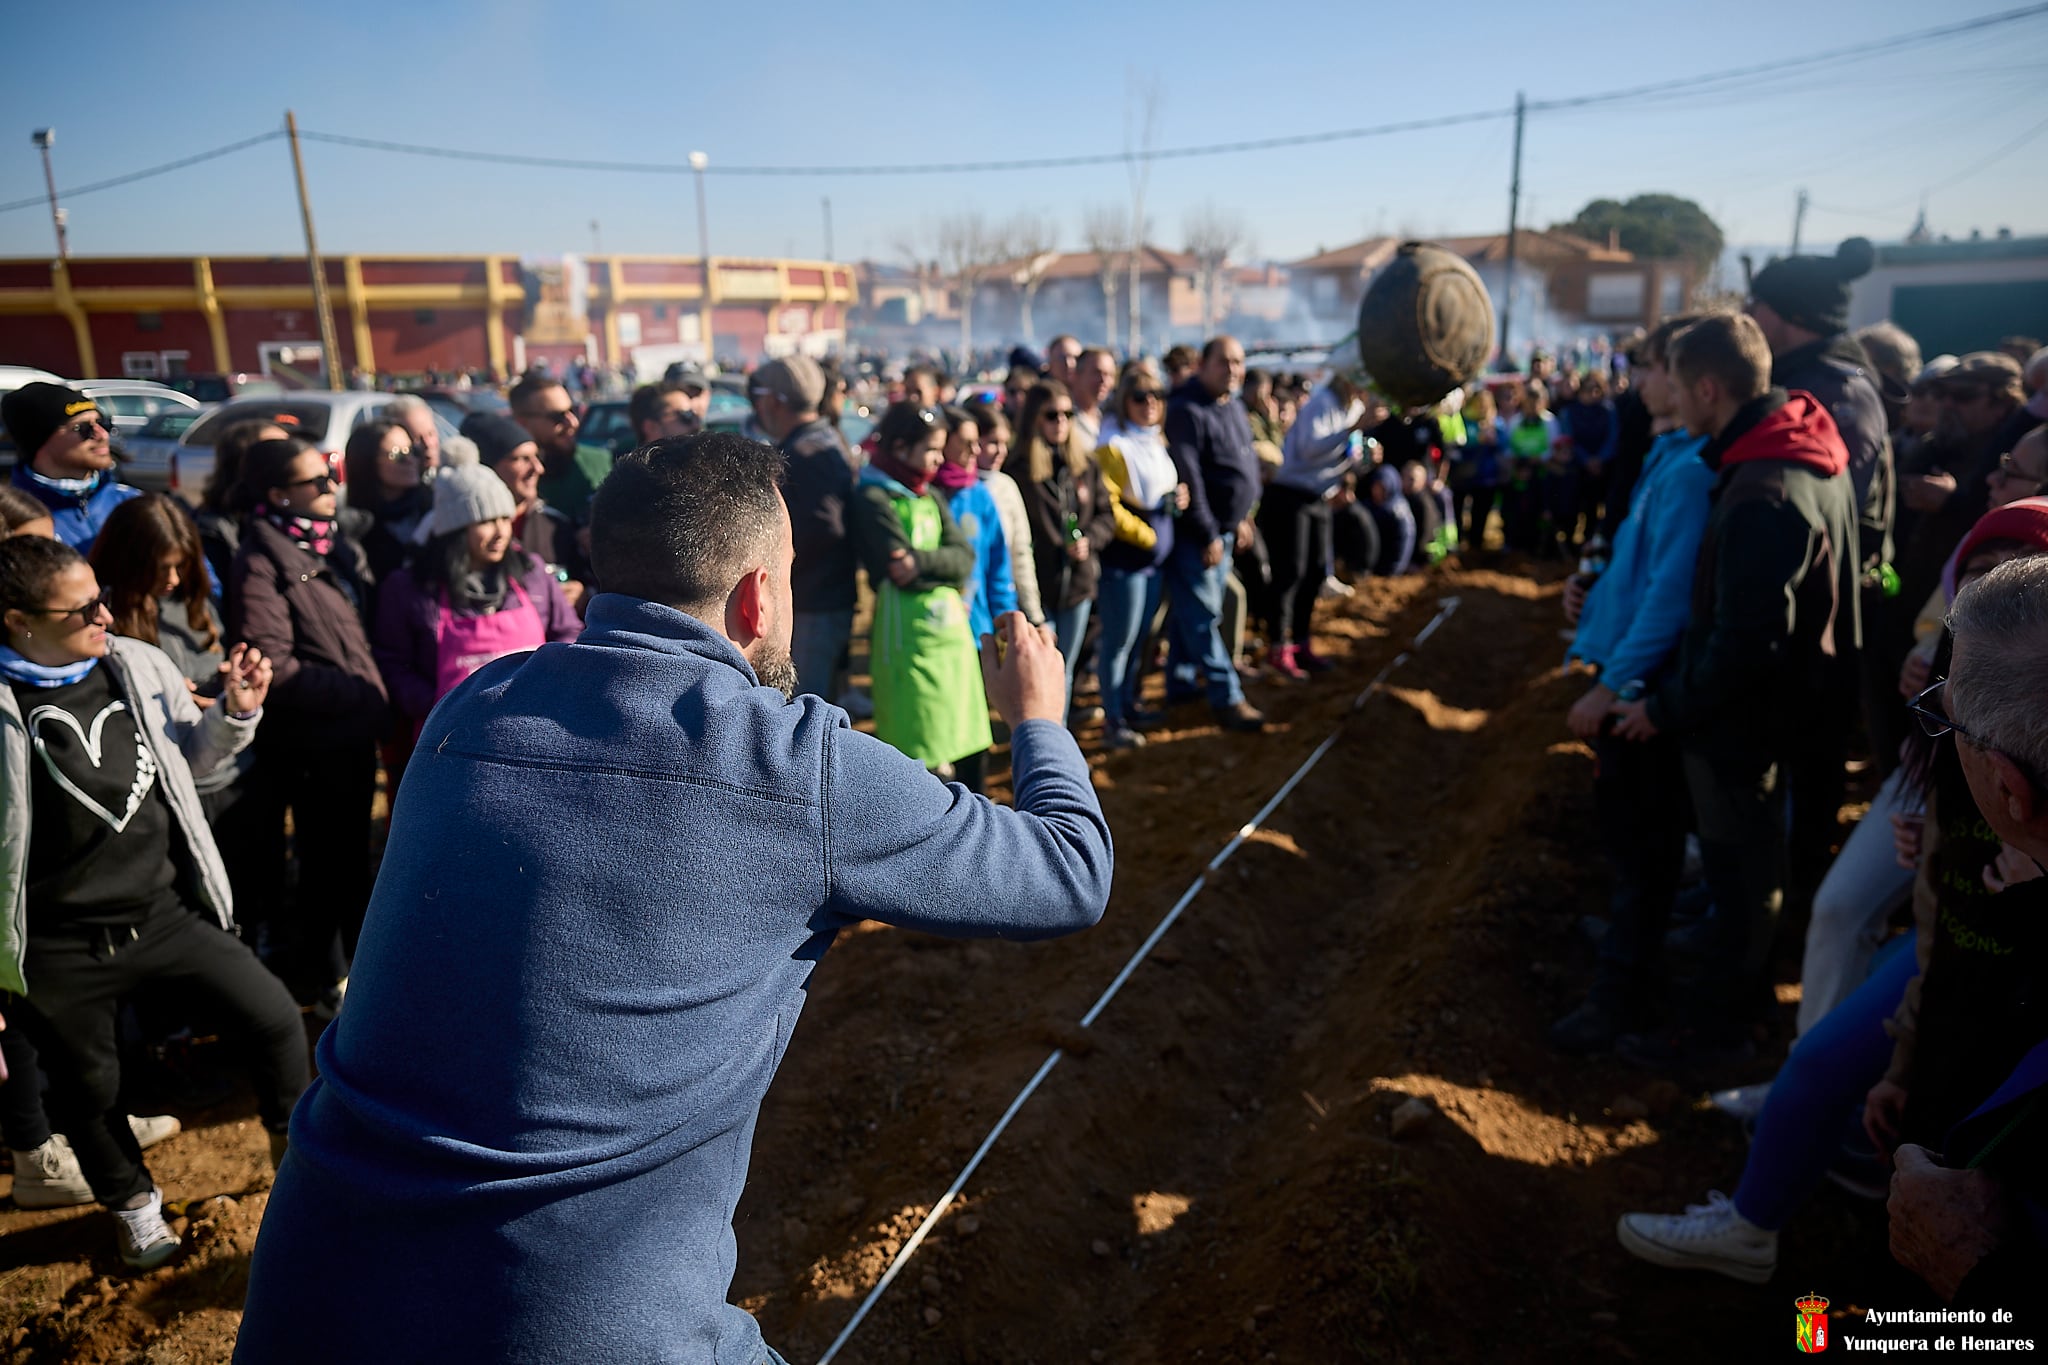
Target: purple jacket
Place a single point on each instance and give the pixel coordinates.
(407, 640)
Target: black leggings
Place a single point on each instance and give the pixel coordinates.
(329, 792)
(1296, 526)
(22, 1120)
(77, 980)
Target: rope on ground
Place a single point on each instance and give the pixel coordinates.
(1445, 606)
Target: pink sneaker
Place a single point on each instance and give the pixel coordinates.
(1282, 662)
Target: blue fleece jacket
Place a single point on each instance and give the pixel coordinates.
(616, 862)
(1637, 610)
(77, 516)
(992, 590)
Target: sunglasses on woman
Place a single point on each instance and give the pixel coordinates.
(85, 611)
(1056, 415)
(319, 483)
(403, 453)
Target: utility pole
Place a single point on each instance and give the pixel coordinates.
(828, 227)
(1507, 288)
(45, 138)
(1798, 219)
(698, 161)
(329, 346)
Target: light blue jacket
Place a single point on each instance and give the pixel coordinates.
(991, 592)
(1638, 609)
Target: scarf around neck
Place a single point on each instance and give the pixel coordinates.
(953, 477)
(76, 488)
(315, 534)
(15, 668)
(916, 480)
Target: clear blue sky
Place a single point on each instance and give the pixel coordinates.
(131, 85)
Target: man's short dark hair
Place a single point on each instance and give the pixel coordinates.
(526, 389)
(645, 405)
(1213, 344)
(678, 522)
(917, 372)
(1655, 349)
(1729, 347)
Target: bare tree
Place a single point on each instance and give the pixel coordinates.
(909, 245)
(1212, 236)
(969, 249)
(1035, 239)
(1104, 231)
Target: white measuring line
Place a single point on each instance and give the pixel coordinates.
(1445, 606)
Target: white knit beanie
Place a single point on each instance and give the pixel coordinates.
(467, 494)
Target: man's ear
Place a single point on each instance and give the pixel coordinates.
(749, 610)
(2023, 802)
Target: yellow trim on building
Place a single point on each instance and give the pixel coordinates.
(209, 305)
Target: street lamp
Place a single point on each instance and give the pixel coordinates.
(698, 161)
(44, 139)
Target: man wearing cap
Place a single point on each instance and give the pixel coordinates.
(64, 459)
(817, 484)
(1801, 305)
(668, 410)
(1943, 492)
(573, 471)
(506, 449)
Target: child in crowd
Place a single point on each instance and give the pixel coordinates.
(990, 591)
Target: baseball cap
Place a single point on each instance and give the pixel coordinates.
(795, 379)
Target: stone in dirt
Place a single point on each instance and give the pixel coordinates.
(1410, 1115)
(932, 1317)
(967, 1225)
(1099, 1247)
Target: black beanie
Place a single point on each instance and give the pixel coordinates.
(33, 412)
(495, 436)
(1813, 291)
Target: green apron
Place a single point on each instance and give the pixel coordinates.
(925, 667)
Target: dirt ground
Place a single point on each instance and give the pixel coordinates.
(1211, 1173)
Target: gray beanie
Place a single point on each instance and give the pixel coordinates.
(467, 494)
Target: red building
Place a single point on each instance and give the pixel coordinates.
(154, 316)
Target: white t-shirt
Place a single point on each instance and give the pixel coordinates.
(1319, 450)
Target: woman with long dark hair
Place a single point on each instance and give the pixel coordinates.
(295, 591)
(220, 509)
(1146, 494)
(387, 484)
(469, 596)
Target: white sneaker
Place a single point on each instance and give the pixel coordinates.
(1334, 586)
(150, 1129)
(1709, 1236)
(49, 1178)
(1744, 1102)
(145, 1240)
(856, 703)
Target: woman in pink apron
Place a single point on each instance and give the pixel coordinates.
(470, 595)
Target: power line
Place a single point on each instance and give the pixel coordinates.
(1042, 163)
(1974, 168)
(1719, 82)
(180, 164)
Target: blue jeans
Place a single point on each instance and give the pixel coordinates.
(817, 640)
(1069, 625)
(1196, 653)
(1819, 1091)
(1128, 602)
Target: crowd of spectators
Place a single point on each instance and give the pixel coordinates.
(1783, 533)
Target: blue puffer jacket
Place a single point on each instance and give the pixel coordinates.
(78, 516)
(1637, 611)
(992, 592)
(615, 865)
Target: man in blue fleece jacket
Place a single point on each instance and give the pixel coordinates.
(620, 860)
(1630, 621)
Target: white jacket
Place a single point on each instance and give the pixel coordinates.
(184, 741)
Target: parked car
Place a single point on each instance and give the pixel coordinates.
(324, 418)
(456, 404)
(608, 422)
(146, 456)
(219, 388)
(132, 402)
